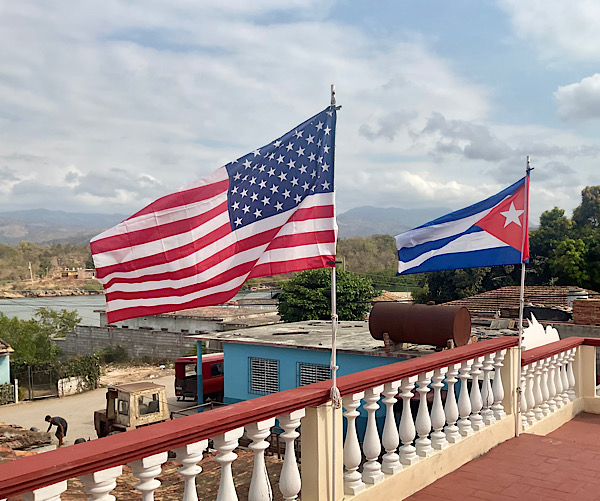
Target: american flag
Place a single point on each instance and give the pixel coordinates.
(271, 211)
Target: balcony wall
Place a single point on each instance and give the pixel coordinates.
(415, 444)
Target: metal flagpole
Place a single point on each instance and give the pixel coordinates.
(522, 295)
(336, 400)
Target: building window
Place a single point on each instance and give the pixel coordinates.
(312, 373)
(264, 376)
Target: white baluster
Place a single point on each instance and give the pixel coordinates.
(551, 384)
(353, 483)
(571, 375)
(260, 487)
(523, 406)
(99, 484)
(564, 358)
(476, 400)
(407, 431)
(390, 438)
(464, 403)
(423, 423)
(189, 456)
(225, 444)
(147, 469)
(438, 418)
(289, 480)
(371, 444)
(529, 394)
(498, 386)
(544, 387)
(558, 382)
(487, 395)
(537, 391)
(451, 409)
(48, 493)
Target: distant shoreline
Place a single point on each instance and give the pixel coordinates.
(47, 293)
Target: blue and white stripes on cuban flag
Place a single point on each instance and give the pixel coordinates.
(489, 233)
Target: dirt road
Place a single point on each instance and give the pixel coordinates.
(78, 410)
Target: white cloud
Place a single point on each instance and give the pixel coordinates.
(109, 105)
(580, 101)
(171, 91)
(562, 30)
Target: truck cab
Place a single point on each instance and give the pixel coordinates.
(129, 406)
(213, 378)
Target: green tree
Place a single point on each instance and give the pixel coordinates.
(444, 286)
(44, 267)
(363, 255)
(57, 323)
(307, 296)
(568, 262)
(30, 340)
(89, 263)
(554, 228)
(588, 212)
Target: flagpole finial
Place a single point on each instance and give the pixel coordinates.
(529, 167)
(332, 94)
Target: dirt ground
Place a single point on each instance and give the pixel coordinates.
(119, 374)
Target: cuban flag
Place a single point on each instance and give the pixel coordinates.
(489, 233)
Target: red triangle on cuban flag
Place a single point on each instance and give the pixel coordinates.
(506, 220)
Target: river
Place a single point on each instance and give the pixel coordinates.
(25, 307)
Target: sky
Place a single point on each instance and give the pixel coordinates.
(106, 106)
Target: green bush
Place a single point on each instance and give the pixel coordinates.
(112, 354)
(92, 286)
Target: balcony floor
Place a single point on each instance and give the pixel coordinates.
(564, 464)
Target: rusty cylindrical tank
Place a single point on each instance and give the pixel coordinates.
(420, 324)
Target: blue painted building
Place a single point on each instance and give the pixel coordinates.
(271, 358)
(5, 351)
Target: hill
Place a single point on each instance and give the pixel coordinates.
(367, 221)
(43, 226)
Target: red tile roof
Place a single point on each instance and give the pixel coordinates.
(488, 303)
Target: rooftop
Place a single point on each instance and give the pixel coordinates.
(490, 302)
(5, 348)
(352, 337)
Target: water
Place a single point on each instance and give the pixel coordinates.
(24, 308)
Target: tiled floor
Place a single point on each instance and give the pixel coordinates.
(562, 465)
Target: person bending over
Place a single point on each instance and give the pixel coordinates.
(61, 427)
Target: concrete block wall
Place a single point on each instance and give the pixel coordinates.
(586, 311)
(138, 343)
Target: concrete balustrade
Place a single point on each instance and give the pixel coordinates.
(402, 421)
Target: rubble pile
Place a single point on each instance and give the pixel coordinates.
(16, 438)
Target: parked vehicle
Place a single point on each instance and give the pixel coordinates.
(212, 377)
(129, 406)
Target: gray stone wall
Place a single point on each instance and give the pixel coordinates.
(138, 343)
(571, 330)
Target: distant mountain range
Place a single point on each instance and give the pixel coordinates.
(366, 221)
(43, 226)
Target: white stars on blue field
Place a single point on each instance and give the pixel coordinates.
(277, 177)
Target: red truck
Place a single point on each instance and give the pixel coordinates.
(186, 379)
